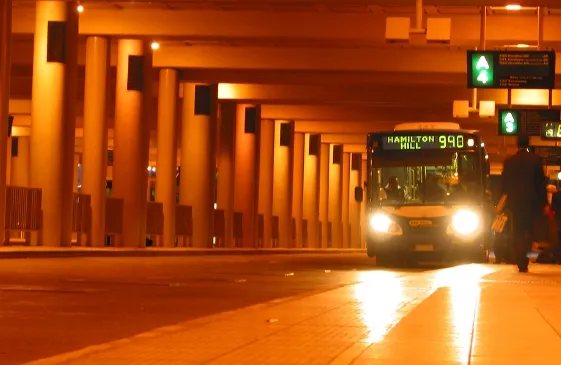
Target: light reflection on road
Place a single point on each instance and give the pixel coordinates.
(385, 297)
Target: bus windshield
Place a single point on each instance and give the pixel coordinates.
(426, 178)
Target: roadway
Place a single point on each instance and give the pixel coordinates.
(52, 306)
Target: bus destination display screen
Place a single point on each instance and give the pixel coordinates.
(434, 141)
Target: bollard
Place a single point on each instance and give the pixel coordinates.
(238, 229)
(219, 228)
(274, 231)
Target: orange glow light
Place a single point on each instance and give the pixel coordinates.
(513, 7)
(80, 8)
(155, 46)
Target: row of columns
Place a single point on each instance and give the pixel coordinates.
(272, 171)
(263, 166)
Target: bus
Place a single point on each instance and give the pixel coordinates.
(427, 194)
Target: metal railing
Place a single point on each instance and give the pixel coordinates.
(23, 212)
(24, 215)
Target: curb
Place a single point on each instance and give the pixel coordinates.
(148, 252)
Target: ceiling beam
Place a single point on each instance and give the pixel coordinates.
(373, 94)
(438, 60)
(393, 59)
(335, 28)
(355, 113)
(350, 139)
(319, 77)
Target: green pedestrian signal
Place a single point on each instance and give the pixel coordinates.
(482, 71)
(509, 123)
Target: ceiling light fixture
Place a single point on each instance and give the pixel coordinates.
(155, 46)
(80, 8)
(513, 7)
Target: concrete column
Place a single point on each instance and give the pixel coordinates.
(225, 165)
(166, 165)
(245, 173)
(345, 175)
(354, 207)
(94, 155)
(282, 188)
(5, 67)
(335, 200)
(324, 157)
(53, 114)
(129, 168)
(310, 199)
(266, 173)
(298, 185)
(198, 163)
(20, 164)
(146, 137)
(363, 220)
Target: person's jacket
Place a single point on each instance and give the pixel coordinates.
(524, 182)
(556, 207)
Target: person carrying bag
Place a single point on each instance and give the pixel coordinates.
(523, 186)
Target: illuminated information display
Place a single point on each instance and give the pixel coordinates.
(551, 130)
(433, 141)
(511, 69)
(528, 121)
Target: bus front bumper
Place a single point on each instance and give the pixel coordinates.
(423, 243)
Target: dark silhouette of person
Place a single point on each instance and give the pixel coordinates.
(524, 183)
(502, 246)
(393, 190)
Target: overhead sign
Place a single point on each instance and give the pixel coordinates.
(529, 121)
(412, 142)
(551, 130)
(511, 69)
(508, 125)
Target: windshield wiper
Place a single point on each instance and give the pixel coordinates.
(402, 201)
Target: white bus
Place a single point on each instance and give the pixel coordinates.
(427, 194)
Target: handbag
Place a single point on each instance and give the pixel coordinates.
(499, 223)
(501, 218)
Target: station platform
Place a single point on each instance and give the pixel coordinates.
(469, 314)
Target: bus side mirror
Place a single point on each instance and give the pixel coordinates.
(358, 194)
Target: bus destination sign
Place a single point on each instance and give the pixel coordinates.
(432, 141)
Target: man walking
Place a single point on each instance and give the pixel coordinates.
(524, 183)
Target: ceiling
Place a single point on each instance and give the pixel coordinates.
(328, 90)
(299, 6)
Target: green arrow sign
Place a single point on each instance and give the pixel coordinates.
(482, 70)
(509, 123)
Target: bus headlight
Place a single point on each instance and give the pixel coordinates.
(381, 223)
(465, 222)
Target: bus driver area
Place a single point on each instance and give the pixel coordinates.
(427, 194)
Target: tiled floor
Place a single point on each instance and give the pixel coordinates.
(470, 314)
